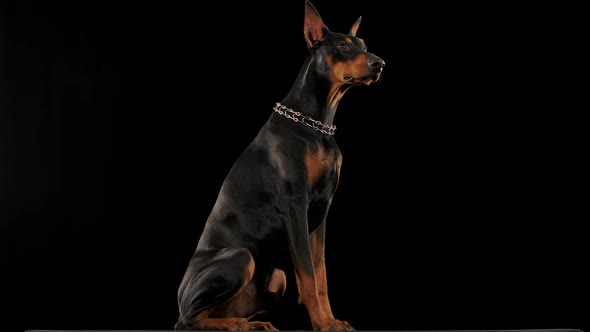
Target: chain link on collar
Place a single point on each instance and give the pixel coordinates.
(306, 120)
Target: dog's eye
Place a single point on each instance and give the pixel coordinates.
(343, 46)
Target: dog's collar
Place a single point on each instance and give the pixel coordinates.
(306, 120)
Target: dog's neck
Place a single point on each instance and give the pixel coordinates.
(313, 94)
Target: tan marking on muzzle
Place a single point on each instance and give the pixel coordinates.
(355, 68)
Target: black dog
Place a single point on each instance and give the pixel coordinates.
(277, 195)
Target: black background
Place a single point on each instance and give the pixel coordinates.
(457, 207)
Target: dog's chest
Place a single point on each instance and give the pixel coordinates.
(322, 166)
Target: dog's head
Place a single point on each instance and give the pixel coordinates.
(343, 58)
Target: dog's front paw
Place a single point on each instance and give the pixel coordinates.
(332, 325)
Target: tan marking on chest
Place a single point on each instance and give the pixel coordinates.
(317, 163)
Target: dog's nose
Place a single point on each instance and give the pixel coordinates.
(376, 62)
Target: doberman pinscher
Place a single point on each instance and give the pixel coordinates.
(276, 196)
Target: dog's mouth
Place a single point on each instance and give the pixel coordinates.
(366, 79)
(377, 75)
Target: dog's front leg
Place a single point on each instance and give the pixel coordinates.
(307, 252)
(317, 241)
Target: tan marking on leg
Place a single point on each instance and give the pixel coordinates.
(278, 282)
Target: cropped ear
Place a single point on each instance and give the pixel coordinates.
(314, 28)
(355, 27)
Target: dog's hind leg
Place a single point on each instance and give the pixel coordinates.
(218, 292)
